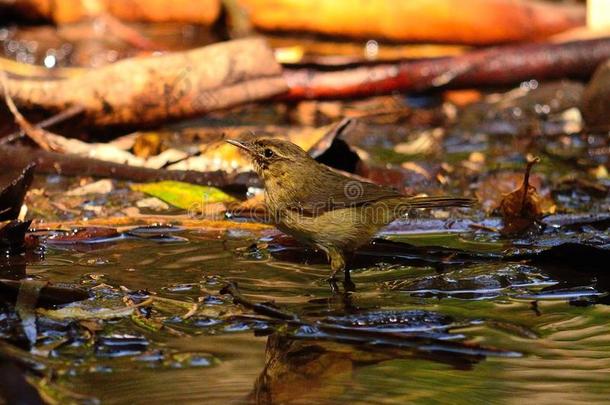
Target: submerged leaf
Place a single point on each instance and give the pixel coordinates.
(184, 195)
(150, 324)
(27, 298)
(79, 313)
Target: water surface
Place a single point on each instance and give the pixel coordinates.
(558, 326)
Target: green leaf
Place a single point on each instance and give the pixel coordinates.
(184, 195)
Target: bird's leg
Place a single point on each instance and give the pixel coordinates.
(337, 263)
(348, 284)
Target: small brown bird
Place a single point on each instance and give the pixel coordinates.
(324, 208)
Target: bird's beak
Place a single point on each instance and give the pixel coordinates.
(241, 144)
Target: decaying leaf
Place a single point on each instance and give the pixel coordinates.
(104, 186)
(172, 306)
(184, 195)
(148, 144)
(79, 313)
(12, 235)
(84, 235)
(521, 209)
(11, 197)
(425, 143)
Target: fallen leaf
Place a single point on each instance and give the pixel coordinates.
(12, 234)
(414, 167)
(168, 158)
(11, 197)
(148, 144)
(427, 142)
(521, 209)
(491, 189)
(99, 187)
(79, 313)
(475, 162)
(84, 234)
(600, 172)
(184, 195)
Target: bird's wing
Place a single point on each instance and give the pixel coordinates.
(336, 191)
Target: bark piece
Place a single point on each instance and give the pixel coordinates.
(149, 90)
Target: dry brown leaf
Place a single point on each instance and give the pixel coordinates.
(427, 142)
(521, 208)
(148, 144)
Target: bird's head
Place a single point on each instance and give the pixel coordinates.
(274, 158)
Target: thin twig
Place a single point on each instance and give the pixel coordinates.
(73, 165)
(42, 138)
(263, 309)
(55, 119)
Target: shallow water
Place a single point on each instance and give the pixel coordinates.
(215, 357)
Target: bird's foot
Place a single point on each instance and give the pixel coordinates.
(334, 288)
(348, 285)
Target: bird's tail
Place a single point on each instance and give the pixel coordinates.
(437, 202)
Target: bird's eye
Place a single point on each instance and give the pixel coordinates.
(268, 153)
